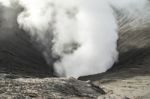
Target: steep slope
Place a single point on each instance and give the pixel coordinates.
(19, 56)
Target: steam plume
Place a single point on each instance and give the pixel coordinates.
(82, 33)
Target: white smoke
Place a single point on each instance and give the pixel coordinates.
(84, 32)
(91, 25)
(95, 31)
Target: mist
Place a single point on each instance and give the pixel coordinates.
(80, 34)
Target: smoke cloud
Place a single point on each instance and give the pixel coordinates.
(80, 34)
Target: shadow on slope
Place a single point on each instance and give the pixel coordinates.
(18, 54)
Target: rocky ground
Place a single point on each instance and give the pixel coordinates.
(129, 83)
(119, 85)
(47, 88)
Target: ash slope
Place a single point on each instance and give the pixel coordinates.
(19, 56)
